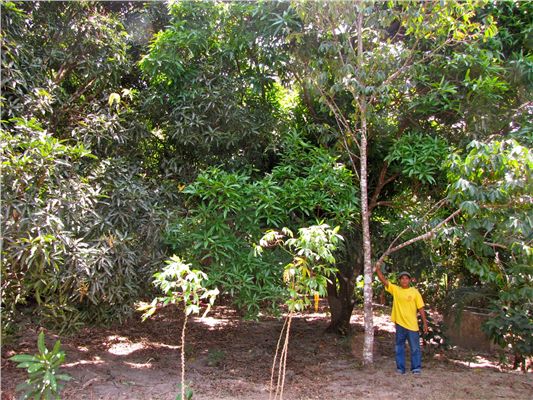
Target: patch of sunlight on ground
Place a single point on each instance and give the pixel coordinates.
(124, 347)
(475, 362)
(314, 316)
(145, 365)
(96, 361)
(382, 322)
(213, 323)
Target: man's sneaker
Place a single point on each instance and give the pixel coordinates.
(400, 371)
(416, 372)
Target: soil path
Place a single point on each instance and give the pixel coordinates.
(228, 358)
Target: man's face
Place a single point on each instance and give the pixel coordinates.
(404, 281)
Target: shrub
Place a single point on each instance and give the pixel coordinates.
(43, 381)
(228, 212)
(80, 234)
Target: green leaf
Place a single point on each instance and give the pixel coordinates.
(53, 382)
(35, 367)
(23, 358)
(57, 346)
(471, 207)
(40, 343)
(25, 386)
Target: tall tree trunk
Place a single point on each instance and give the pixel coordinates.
(368, 357)
(368, 347)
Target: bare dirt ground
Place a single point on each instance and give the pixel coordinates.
(228, 358)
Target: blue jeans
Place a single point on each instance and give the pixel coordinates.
(413, 338)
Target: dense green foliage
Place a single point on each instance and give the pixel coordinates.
(229, 212)
(80, 225)
(132, 131)
(492, 184)
(213, 94)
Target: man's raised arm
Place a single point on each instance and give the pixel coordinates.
(381, 276)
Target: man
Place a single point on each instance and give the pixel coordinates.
(406, 301)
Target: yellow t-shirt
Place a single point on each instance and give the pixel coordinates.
(405, 305)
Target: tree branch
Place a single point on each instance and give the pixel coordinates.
(384, 204)
(342, 122)
(382, 181)
(406, 65)
(344, 125)
(501, 246)
(424, 236)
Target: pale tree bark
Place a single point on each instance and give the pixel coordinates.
(368, 347)
(368, 357)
